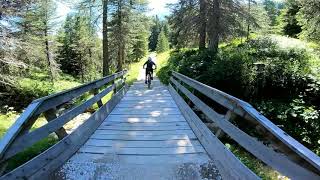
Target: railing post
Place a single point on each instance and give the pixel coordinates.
(3, 167)
(189, 101)
(99, 103)
(51, 115)
(230, 116)
(114, 85)
(124, 78)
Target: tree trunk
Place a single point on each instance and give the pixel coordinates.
(214, 26)
(106, 71)
(48, 57)
(203, 24)
(248, 21)
(47, 48)
(121, 42)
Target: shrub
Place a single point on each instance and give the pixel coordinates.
(278, 80)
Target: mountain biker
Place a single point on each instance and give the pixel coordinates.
(149, 68)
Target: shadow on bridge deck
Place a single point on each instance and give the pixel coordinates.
(144, 137)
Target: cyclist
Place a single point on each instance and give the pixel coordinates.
(149, 68)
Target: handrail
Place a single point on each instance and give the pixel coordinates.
(246, 111)
(20, 129)
(46, 163)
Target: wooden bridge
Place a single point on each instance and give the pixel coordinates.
(163, 133)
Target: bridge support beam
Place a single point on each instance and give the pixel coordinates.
(50, 115)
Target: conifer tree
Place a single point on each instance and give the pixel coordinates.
(290, 25)
(308, 20)
(163, 43)
(155, 31)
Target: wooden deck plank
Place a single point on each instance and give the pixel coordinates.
(147, 129)
(143, 137)
(150, 111)
(120, 116)
(145, 133)
(148, 101)
(149, 105)
(140, 144)
(141, 159)
(143, 124)
(141, 151)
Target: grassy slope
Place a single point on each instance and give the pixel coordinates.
(162, 59)
(134, 70)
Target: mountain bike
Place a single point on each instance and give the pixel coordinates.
(149, 79)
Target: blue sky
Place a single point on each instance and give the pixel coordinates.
(157, 7)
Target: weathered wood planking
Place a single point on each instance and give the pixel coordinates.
(267, 155)
(246, 111)
(140, 144)
(229, 166)
(132, 138)
(50, 115)
(145, 128)
(142, 150)
(145, 133)
(65, 96)
(144, 124)
(31, 138)
(142, 159)
(14, 130)
(149, 105)
(145, 118)
(42, 165)
(151, 111)
(30, 115)
(143, 137)
(141, 98)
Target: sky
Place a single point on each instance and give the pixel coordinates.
(157, 7)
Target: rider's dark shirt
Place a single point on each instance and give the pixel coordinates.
(149, 65)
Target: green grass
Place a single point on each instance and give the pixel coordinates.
(134, 70)
(259, 168)
(6, 121)
(39, 84)
(162, 60)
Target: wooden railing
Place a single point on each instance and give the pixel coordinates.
(19, 137)
(294, 160)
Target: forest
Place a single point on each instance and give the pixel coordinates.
(266, 52)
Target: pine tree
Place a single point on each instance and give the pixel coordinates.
(75, 53)
(138, 41)
(289, 22)
(128, 28)
(163, 43)
(155, 31)
(270, 7)
(308, 20)
(36, 34)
